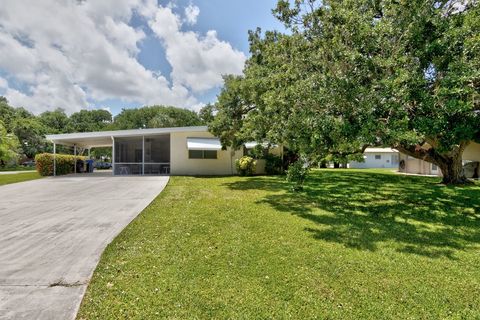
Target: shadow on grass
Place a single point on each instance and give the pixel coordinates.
(362, 209)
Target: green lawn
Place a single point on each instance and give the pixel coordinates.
(17, 168)
(356, 244)
(18, 177)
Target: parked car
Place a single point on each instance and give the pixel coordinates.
(103, 165)
(29, 163)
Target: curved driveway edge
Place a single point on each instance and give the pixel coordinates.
(53, 232)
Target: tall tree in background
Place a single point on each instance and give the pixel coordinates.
(206, 113)
(31, 134)
(55, 121)
(29, 131)
(89, 120)
(354, 73)
(9, 146)
(156, 117)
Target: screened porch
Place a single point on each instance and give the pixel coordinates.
(141, 155)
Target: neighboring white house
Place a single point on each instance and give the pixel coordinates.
(377, 158)
(176, 151)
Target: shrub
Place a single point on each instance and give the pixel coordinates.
(64, 163)
(258, 152)
(273, 164)
(296, 174)
(245, 165)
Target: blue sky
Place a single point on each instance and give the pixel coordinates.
(124, 53)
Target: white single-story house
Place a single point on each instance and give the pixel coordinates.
(377, 158)
(176, 151)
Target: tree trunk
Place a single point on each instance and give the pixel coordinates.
(452, 170)
(336, 165)
(450, 163)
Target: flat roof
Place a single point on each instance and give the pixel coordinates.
(380, 150)
(104, 138)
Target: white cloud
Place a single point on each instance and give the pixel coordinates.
(197, 61)
(84, 51)
(191, 14)
(3, 83)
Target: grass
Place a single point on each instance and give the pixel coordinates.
(355, 244)
(18, 177)
(17, 168)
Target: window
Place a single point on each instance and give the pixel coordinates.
(202, 154)
(434, 167)
(210, 154)
(378, 157)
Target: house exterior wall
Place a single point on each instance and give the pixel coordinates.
(417, 166)
(387, 160)
(180, 164)
(472, 152)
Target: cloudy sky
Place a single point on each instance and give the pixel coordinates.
(113, 54)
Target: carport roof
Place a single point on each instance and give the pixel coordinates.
(105, 138)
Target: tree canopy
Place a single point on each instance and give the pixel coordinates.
(9, 145)
(356, 73)
(156, 117)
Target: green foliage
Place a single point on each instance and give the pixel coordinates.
(233, 103)
(273, 164)
(31, 134)
(64, 163)
(206, 113)
(29, 131)
(55, 121)
(296, 174)
(9, 145)
(245, 166)
(258, 152)
(354, 73)
(90, 120)
(156, 117)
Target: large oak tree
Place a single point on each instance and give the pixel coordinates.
(354, 73)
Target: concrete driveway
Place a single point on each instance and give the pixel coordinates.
(52, 233)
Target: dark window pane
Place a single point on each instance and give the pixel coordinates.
(195, 154)
(157, 149)
(128, 150)
(378, 157)
(210, 154)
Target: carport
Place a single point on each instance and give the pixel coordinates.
(134, 152)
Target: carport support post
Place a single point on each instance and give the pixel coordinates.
(54, 159)
(113, 155)
(75, 158)
(143, 155)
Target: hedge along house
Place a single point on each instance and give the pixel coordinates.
(176, 151)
